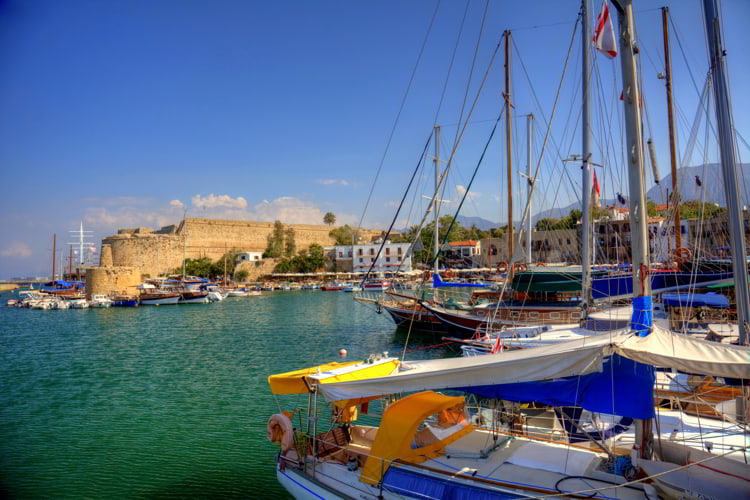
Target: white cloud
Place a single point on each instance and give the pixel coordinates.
(461, 190)
(213, 201)
(109, 220)
(177, 203)
(333, 182)
(16, 249)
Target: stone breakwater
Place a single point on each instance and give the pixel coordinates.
(157, 251)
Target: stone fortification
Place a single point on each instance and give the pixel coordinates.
(106, 280)
(155, 252)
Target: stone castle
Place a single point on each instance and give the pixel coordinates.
(160, 251)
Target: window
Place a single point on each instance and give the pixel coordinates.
(361, 259)
(559, 241)
(387, 251)
(683, 231)
(256, 257)
(350, 253)
(387, 259)
(466, 251)
(341, 254)
(568, 240)
(360, 253)
(372, 251)
(399, 248)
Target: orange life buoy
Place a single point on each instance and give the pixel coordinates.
(280, 429)
(683, 254)
(448, 273)
(501, 267)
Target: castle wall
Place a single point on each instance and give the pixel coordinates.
(155, 252)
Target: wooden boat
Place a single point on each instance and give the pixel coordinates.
(125, 301)
(193, 297)
(158, 298)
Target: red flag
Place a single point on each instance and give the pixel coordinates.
(597, 190)
(604, 34)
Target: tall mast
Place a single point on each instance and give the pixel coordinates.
(184, 241)
(436, 206)
(586, 226)
(725, 129)
(529, 180)
(670, 117)
(642, 310)
(54, 256)
(509, 148)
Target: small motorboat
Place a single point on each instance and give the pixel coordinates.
(101, 301)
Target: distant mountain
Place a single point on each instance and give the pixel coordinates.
(483, 224)
(712, 180)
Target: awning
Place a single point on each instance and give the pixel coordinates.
(695, 300)
(293, 383)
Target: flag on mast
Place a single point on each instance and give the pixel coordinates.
(596, 191)
(604, 35)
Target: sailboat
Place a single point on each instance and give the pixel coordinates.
(430, 445)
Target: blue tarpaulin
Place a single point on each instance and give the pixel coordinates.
(623, 387)
(696, 300)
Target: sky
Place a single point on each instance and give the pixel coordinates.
(128, 114)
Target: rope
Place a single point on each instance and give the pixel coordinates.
(398, 115)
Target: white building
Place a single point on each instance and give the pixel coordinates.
(359, 258)
(245, 256)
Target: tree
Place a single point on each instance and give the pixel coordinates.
(546, 224)
(290, 247)
(241, 275)
(344, 235)
(329, 218)
(275, 246)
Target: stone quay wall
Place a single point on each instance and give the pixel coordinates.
(155, 252)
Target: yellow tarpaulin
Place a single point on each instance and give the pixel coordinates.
(398, 432)
(291, 382)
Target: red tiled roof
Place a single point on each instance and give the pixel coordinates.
(468, 243)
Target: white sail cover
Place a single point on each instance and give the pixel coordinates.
(687, 354)
(577, 357)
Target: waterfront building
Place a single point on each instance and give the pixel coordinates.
(359, 258)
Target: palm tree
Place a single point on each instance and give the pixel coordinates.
(329, 218)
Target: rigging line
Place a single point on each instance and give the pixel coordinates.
(548, 134)
(450, 66)
(471, 71)
(682, 51)
(463, 129)
(395, 217)
(549, 126)
(538, 26)
(463, 198)
(398, 115)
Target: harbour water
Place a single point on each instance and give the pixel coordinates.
(165, 402)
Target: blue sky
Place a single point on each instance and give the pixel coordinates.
(123, 114)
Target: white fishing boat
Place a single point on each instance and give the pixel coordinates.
(79, 304)
(101, 301)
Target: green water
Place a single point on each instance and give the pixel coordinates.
(164, 402)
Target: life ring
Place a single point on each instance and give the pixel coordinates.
(448, 273)
(541, 264)
(280, 429)
(502, 266)
(683, 254)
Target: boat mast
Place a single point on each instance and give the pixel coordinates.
(184, 242)
(54, 255)
(530, 181)
(642, 313)
(725, 128)
(670, 117)
(586, 234)
(508, 147)
(436, 206)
